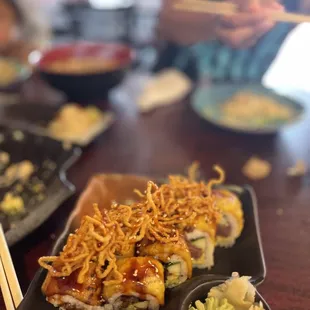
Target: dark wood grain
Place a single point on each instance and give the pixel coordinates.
(167, 141)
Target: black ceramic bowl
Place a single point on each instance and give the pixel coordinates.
(198, 289)
(90, 86)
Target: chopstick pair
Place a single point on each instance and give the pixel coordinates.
(225, 8)
(10, 288)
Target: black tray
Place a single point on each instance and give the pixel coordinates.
(31, 115)
(246, 257)
(23, 145)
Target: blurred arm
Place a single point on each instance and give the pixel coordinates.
(184, 28)
(304, 6)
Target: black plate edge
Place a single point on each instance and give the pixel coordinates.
(66, 190)
(260, 279)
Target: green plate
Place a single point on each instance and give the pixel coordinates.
(207, 103)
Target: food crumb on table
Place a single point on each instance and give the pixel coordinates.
(299, 169)
(280, 211)
(18, 135)
(256, 168)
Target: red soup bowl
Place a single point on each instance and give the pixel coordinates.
(85, 71)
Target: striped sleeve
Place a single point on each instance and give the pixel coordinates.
(179, 57)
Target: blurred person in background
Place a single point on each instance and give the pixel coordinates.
(23, 28)
(239, 47)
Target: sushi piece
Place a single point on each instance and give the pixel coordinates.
(200, 239)
(231, 222)
(67, 293)
(175, 256)
(142, 286)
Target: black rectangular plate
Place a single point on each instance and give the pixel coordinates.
(37, 149)
(246, 257)
(28, 114)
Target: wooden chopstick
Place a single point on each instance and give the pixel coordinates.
(222, 8)
(5, 290)
(9, 271)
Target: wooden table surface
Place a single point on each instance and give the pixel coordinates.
(167, 141)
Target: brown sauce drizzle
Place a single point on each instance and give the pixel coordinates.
(63, 284)
(134, 278)
(88, 292)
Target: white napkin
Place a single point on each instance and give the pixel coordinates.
(149, 92)
(167, 87)
(291, 68)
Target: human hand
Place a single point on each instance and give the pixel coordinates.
(184, 27)
(245, 28)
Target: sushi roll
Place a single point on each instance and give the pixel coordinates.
(67, 293)
(231, 222)
(142, 286)
(175, 256)
(200, 239)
